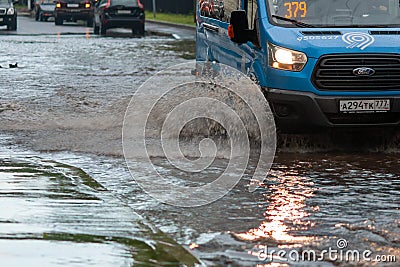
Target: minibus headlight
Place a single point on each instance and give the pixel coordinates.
(285, 59)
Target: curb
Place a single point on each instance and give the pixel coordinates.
(24, 14)
(171, 24)
(159, 33)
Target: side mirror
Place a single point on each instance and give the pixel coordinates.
(238, 30)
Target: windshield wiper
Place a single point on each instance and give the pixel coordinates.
(295, 22)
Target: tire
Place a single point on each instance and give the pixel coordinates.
(142, 31)
(13, 25)
(103, 29)
(89, 23)
(58, 21)
(138, 31)
(96, 29)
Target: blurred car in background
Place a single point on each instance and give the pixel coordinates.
(44, 9)
(8, 14)
(119, 14)
(73, 10)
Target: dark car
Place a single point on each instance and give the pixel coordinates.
(44, 9)
(119, 14)
(8, 14)
(73, 10)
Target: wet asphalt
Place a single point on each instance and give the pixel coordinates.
(65, 185)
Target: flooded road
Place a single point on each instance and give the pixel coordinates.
(55, 215)
(61, 117)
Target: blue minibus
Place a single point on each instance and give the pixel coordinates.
(321, 64)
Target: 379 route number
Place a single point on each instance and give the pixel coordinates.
(296, 9)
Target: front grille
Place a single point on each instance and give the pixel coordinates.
(335, 72)
(364, 118)
(3, 11)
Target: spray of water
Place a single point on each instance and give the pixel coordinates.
(191, 115)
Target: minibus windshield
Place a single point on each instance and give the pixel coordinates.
(335, 13)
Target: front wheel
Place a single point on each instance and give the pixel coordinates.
(13, 25)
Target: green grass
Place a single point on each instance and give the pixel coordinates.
(174, 18)
(19, 6)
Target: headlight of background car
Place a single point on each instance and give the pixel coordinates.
(285, 59)
(10, 11)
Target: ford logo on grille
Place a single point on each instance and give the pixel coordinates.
(363, 71)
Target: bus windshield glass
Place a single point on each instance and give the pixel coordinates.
(335, 13)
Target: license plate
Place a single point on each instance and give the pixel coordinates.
(124, 12)
(72, 5)
(1, 19)
(365, 105)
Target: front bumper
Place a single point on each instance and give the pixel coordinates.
(6, 19)
(301, 112)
